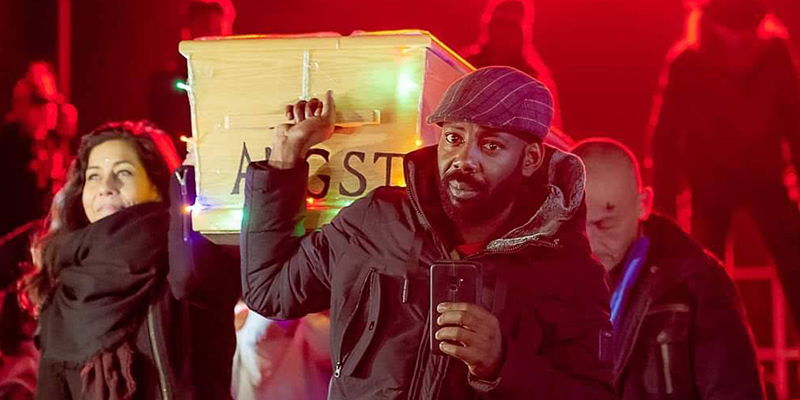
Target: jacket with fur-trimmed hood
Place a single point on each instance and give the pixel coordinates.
(370, 266)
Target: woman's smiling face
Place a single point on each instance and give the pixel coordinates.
(115, 179)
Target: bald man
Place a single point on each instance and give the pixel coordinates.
(680, 329)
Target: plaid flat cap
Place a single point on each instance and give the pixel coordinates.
(500, 98)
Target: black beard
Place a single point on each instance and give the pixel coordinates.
(486, 205)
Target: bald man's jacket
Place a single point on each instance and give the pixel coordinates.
(683, 332)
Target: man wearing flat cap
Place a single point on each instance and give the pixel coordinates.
(490, 193)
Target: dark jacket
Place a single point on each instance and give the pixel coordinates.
(185, 340)
(197, 323)
(709, 120)
(683, 334)
(370, 267)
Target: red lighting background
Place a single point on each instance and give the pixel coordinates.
(605, 55)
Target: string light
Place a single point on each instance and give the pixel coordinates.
(179, 84)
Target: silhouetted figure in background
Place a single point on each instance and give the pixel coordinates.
(729, 108)
(36, 146)
(506, 38)
(169, 106)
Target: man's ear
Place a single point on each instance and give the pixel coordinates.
(645, 198)
(533, 158)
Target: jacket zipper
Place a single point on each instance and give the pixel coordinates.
(162, 377)
(418, 210)
(337, 371)
(185, 219)
(665, 360)
(438, 243)
(623, 359)
(667, 373)
(412, 387)
(642, 313)
(181, 176)
(415, 386)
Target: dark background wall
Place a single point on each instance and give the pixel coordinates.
(117, 45)
(27, 32)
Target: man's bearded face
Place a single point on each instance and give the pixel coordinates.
(480, 171)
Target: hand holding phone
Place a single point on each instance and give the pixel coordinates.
(460, 326)
(452, 282)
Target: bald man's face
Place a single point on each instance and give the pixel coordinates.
(615, 208)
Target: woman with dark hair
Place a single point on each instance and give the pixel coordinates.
(118, 319)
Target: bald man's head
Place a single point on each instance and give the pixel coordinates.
(616, 200)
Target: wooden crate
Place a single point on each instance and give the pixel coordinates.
(384, 84)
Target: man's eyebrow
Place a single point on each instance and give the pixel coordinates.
(497, 133)
(455, 127)
(491, 132)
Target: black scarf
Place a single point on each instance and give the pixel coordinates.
(111, 271)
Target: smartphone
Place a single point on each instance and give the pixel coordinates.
(452, 282)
